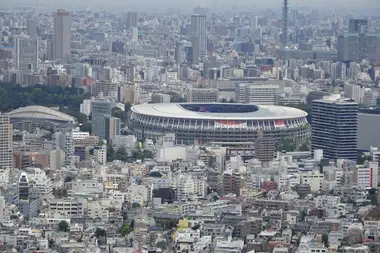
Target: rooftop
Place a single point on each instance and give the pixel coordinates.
(215, 111)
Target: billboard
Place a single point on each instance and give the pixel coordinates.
(230, 124)
(279, 123)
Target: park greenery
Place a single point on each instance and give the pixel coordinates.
(13, 96)
(68, 99)
(121, 154)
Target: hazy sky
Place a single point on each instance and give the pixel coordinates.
(325, 4)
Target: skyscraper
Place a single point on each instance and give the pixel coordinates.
(62, 35)
(358, 26)
(198, 37)
(359, 46)
(132, 18)
(31, 28)
(26, 53)
(6, 151)
(285, 14)
(101, 109)
(335, 127)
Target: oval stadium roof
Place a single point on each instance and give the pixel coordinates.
(41, 113)
(178, 110)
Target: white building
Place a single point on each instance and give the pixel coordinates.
(354, 91)
(314, 179)
(125, 141)
(367, 177)
(140, 194)
(86, 186)
(96, 210)
(100, 154)
(66, 207)
(257, 93)
(202, 95)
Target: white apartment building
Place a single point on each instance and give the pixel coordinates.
(196, 95)
(189, 187)
(124, 141)
(326, 201)
(4, 176)
(229, 246)
(66, 207)
(47, 220)
(314, 179)
(96, 210)
(86, 186)
(77, 135)
(256, 93)
(354, 91)
(100, 155)
(367, 177)
(140, 194)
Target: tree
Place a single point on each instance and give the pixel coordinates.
(118, 113)
(110, 153)
(121, 154)
(59, 192)
(304, 147)
(325, 240)
(63, 226)
(287, 145)
(136, 205)
(125, 229)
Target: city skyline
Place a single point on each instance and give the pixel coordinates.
(111, 4)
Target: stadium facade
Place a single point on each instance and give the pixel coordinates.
(217, 123)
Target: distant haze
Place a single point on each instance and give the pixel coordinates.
(260, 4)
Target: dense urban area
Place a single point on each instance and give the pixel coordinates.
(211, 130)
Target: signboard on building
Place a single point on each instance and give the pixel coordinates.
(230, 124)
(279, 123)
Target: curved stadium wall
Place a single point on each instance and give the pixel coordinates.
(194, 123)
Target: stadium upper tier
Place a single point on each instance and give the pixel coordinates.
(217, 122)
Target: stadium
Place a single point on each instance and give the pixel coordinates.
(31, 117)
(217, 123)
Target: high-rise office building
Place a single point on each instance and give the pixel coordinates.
(358, 26)
(101, 109)
(180, 51)
(31, 28)
(26, 53)
(335, 127)
(6, 151)
(62, 35)
(198, 37)
(132, 18)
(359, 46)
(113, 128)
